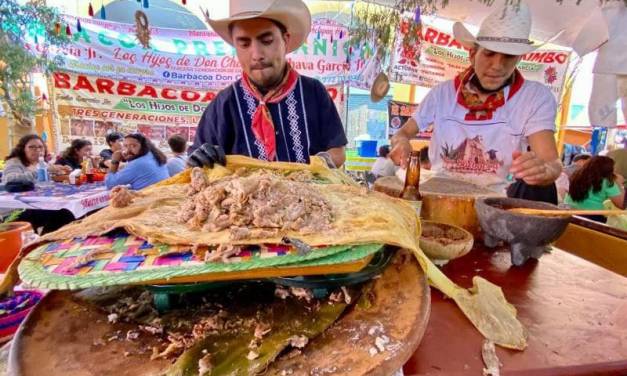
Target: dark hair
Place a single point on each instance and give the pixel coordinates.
(590, 177)
(384, 151)
(581, 157)
(424, 155)
(71, 153)
(281, 27)
(19, 151)
(148, 146)
(113, 137)
(177, 143)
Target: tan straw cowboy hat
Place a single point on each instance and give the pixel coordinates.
(293, 14)
(505, 30)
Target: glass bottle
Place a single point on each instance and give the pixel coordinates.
(411, 190)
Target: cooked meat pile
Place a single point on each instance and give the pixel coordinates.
(445, 236)
(255, 205)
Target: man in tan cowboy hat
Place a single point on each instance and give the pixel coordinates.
(490, 124)
(272, 112)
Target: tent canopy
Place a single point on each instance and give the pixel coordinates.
(583, 27)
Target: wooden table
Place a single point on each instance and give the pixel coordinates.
(575, 312)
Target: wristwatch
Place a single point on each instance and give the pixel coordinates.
(113, 161)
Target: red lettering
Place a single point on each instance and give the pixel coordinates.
(209, 96)
(148, 91)
(549, 57)
(190, 96)
(456, 44)
(430, 35)
(104, 85)
(165, 93)
(61, 80)
(443, 39)
(83, 83)
(561, 58)
(332, 92)
(126, 88)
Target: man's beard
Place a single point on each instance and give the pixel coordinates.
(130, 157)
(264, 88)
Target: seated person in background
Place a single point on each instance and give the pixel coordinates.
(114, 141)
(594, 183)
(578, 162)
(383, 166)
(178, 145)
(21, 164)
(73, 156)
(563, 183)
(146, 164)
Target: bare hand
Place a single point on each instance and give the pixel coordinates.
(401, 149)
(619, 179)
(117, 156)
(528, 167)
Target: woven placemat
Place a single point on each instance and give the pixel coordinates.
(120, 258)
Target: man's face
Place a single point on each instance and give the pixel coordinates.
(132, 147)
(492, 68)
(261, 49)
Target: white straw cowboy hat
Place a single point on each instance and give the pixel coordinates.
(505, 30)
(293, 14)
(380, 87)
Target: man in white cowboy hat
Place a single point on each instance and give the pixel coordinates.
(272, 112)
(490, 124)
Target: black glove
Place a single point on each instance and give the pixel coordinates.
(207, 155)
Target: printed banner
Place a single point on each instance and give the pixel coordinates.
(91, 107)
(439, 57)
(399, 112)
(189, 58)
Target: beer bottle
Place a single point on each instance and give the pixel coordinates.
(411, 190)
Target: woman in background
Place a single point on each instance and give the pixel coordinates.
(73, 156)
(594, 183)
(22, 163)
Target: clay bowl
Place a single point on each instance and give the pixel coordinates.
(527, 235)
(442, 242)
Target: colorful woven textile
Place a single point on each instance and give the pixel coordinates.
(120, 258)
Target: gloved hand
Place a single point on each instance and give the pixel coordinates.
(207, 155)
(327, 158)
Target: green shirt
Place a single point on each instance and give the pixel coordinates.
(595, 200)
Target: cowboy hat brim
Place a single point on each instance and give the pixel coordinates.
(294, 15)
(380, 87)
(466, 39)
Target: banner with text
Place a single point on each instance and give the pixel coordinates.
(439, 57)
(192, 58)
(90, 107)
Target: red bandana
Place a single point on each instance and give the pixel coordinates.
(262, 125)
(483, 109)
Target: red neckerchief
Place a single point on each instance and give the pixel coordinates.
(477, 108)
(262, 125)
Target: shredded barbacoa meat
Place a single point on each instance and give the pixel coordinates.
(255, 204)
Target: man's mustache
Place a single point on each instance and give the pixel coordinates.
(260, 66)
